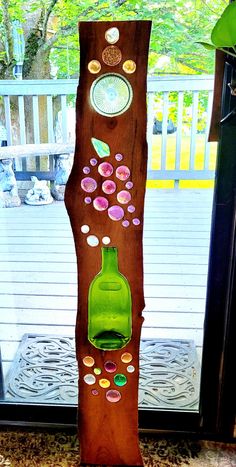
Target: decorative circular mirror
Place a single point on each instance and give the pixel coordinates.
(111, 94)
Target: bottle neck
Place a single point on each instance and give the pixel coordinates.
(109, 260)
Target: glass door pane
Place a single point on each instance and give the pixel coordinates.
(38, 271)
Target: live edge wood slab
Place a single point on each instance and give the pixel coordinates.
(108, 431)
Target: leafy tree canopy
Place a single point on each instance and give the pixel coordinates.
(50, 32)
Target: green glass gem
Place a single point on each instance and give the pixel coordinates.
(120, 380)
(102, 149)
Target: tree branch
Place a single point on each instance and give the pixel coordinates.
(66, 30)
(46, 19)
(8, 31)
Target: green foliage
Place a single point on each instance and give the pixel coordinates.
(176, 26)
(224, 32)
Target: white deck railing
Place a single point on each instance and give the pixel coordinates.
(171, 157)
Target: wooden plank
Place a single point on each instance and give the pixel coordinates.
(176, 221)
(64, 118)
(193, 130)
(176, 279)
(150, 121)
(149, 219)
(173, 321)
(180, 83)
(179, 130)
(196, 242)
(20, 240)
(176, 234)
(36, 119)
(176, 305)
(69, 258)
(149, 241)
(44, 257)
(151, 213)
(58, 277)
(68, 86)
(50, 125)
(173, 250)
(181, 174)
(22, 119)
(69, 249)
(16, 331)
(32, 266)
(48, 317)
(164, 130)
(174, 259)
(43, 149)
(54, 318)
(63, 233)
(28, 288)
(64, 303)
(160, 268)
(70, 290)
(174, 292)
(44, 248)
(7, 109)
(44, 277)
(38, 302)
(38, 87)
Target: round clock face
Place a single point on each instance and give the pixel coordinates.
(111, 94)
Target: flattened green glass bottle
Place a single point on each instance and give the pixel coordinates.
(109, 305)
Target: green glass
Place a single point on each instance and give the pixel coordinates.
(109, 305)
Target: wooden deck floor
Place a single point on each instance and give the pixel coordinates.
(38, 269)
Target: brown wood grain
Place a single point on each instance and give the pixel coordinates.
(109, 432)
(217, 96)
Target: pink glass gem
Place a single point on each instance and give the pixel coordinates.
(110, 366)
(109, 187)
(131, 208)
(100, 203)
(105, 169)
(93, 161)
(116, 213)
(87, 200)
(125, 223)
(129, 185)
(119, 157)
(95, 392)
(113, 396)
(86, 170)
(88, 184)
(122, 172)
(123, 197)
(136, 221)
